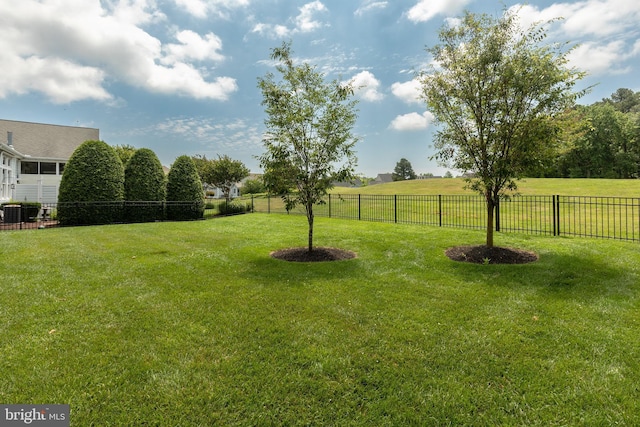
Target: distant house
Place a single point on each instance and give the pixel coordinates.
(356, 183)
(382, 178)
(216, 193)
(33, 156)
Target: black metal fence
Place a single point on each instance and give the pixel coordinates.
(16, 217)
(585, 216)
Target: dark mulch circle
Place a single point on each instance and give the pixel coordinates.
(318, 254)
(495, 255)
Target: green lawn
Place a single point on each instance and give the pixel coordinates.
(183, 324)
(529, 186)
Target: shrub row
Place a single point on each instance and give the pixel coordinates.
(96, 174)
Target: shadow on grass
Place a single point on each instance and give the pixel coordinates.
(557, 275)
(269, 269)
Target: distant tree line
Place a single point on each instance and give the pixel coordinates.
(601, 140)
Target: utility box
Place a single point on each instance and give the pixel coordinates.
(12, 214)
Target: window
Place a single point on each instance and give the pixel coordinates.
(29, 168)
(61, 168)
(47, 168)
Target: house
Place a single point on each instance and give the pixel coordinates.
(356, 183)
(33, 156)
(382, 178)
(217, 193)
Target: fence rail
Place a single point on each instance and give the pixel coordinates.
(17, 217)
(556, 215)
(582, 216)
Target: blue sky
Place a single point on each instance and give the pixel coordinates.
(180, 76)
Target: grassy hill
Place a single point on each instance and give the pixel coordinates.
(530, 186)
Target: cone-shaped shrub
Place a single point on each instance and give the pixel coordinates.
(144, 187)
(185, 197)
(92, 186)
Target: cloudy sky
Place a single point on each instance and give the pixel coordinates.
(180, 76)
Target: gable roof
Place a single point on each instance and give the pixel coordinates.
(45, 141)
(383, 178)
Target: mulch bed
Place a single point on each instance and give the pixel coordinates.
(495, 255)
(319, 254)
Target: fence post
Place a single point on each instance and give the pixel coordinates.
(359, 207)
(268, 203)
(498, 214)
(395, 208)
(558, 214)
(440, 208)
(329, 205)
(553, 209)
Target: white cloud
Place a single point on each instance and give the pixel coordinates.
(424, 10)
(599, 59)
(202, 8)
(610, 25)
(76, 47)
(61, 80)
(408, 92)
(194, 47)
(305, 22)
(214, 135)
(366, 86)
(197, 8)
(369, 6)
(412, 122)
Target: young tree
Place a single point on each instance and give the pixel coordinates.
(403, 171)
(226, 172)
(308, 141)
(125, 152)
(253, 186)
(203, 166)
(493, 88)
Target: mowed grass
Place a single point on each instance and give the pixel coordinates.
(187, 324)
(529, 186)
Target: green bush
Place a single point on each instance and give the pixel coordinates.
(253, 186)
(144, 181)
(92, 186)
(232, 208)
(185, 197)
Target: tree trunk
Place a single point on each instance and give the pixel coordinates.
(490, 212)
(310, 220)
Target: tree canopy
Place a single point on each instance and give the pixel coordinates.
(403, 171)
(221, 173)
(493, 88)
(308, 141)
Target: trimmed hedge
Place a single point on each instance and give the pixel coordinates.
(184, 185)
(94, 173)
(144, 181)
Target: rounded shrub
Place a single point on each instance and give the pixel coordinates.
(231, 208)
(144, 187)
(185, 196)
(92, 186)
